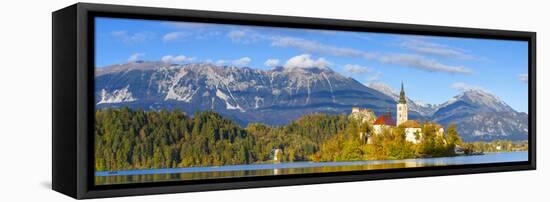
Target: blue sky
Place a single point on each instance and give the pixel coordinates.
(434, 69)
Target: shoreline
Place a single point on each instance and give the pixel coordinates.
(280, 165)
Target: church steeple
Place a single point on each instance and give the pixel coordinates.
(402, 109)
(402, 98)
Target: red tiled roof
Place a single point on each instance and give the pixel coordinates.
(384, 120)
(410, 124)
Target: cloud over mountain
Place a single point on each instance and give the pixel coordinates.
(406, 60)
(305, 61)
(135, 57)
(242, 61)
(176, 59)
(271, 62)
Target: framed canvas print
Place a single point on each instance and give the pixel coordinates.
(154, 100)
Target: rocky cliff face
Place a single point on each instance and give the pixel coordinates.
(247, 95)
(479, 115)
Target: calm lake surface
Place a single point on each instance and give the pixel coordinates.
(194, 173)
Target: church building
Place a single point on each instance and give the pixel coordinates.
(413, 130)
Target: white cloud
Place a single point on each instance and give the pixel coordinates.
(190, 25)
(524, 77)
(315, 47)
(461, 86)
(242, 61)
(176, 59)
(199, 31)
(414, 61)
(374, 77)
(207, 34)
(407, 60)
(426, 47)
(357, 69)
(118, 33)
(236, 35)
(237, 62)
(271, 62)
(183, 58)
(135, 57)
(422, 63)
(167, 58)
(244, 36)
(173, 36)
(305, 61)
(133, 38)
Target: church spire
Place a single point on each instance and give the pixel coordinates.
(402, 99)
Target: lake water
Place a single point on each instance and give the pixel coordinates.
(193, 173)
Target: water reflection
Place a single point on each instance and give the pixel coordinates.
(299, 168)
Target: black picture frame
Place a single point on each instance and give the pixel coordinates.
(73, 98)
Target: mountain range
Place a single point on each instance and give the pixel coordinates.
(479, 115)
(280, 95)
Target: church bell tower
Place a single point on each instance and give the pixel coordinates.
(402, 108)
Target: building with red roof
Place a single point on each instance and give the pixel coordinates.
(413, 129)
(384, 120)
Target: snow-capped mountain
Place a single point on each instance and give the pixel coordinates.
(281, 95)
(275, 96)
(424, 109)
(116, 96)
(483, 99)
(480, 115)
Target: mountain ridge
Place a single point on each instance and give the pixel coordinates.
(233, 89)
(280, 95)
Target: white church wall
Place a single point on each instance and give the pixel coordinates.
(410, 134)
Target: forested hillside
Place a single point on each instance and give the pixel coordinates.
(137, 139)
